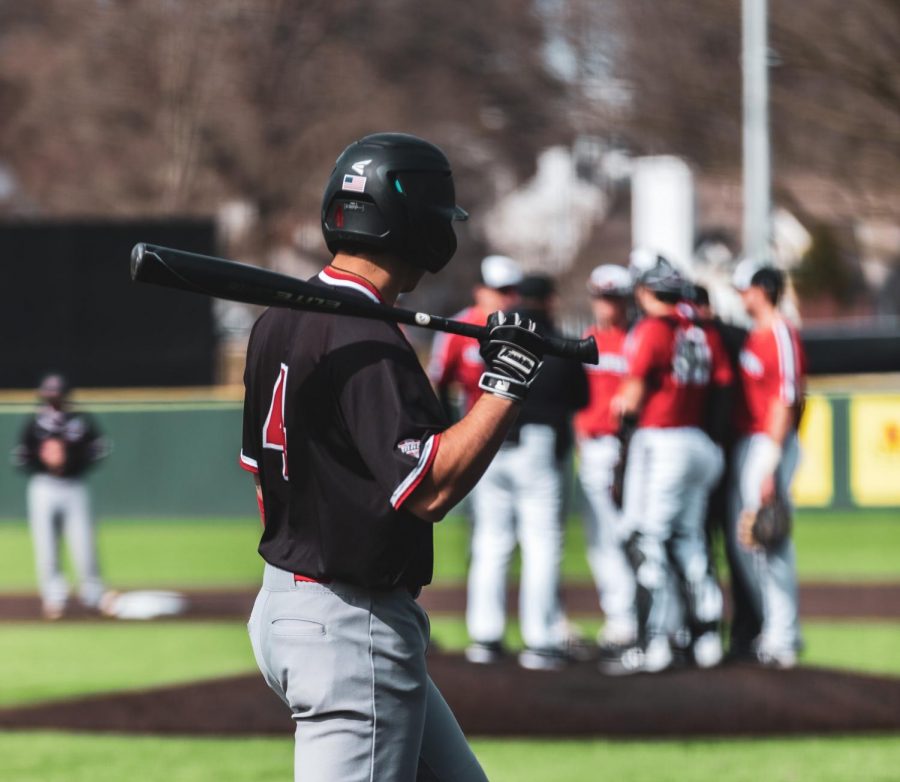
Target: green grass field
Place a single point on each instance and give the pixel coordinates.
(218, 553)
(54, 757)
(44, 662)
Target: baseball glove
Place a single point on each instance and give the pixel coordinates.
(768, 527)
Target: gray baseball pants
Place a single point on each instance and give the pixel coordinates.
(771, 577)
(56, 505)
(350, 664)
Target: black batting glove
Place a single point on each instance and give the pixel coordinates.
(512, 351)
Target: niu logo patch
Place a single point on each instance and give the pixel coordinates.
(516, 359)
(410, 448)
(751, 364)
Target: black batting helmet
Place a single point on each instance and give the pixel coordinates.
(661, 277)
(392, 192)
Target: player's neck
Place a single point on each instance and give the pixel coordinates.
(382, 279)
(766, 318)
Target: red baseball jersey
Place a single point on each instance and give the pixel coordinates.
(678, 359)
(456, 359)
(604, 379)
(773, 368)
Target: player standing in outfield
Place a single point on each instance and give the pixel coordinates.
(773, 369)
(521, 499)
(354, 461)
(596, 426)
(672, 463)
(456, 364)
(58, 446)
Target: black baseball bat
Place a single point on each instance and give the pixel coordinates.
(250, 284)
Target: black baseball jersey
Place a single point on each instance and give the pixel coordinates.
(341, 425)
(84, 445)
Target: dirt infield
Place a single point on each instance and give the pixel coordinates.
(504, 700)
(817, 601)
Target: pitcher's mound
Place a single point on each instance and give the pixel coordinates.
(503, 700)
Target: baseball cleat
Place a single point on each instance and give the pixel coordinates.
(708, 650)
(484, 653)
(658, 655)
(783, 660)
(543, 659)
(53, 613)
(628, 661)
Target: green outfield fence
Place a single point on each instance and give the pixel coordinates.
(176, 454)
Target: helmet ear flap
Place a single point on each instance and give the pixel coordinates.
(351, 216)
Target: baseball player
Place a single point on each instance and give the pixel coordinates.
(520, 500)
(610, 287)
(672, 464)
(58, 446)
(745, 623)
(772, 378)
(354, 461)
(456, 364)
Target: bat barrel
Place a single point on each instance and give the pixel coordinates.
(583, 350)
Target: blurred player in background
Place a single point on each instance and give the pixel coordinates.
(521, 499)
(672, 465)
(610, 287)
(745, 621)
(456, 365)
(773, 369)
(58, 446)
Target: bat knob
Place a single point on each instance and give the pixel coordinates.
(137, 258)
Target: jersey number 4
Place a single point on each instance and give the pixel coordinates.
(274, 431)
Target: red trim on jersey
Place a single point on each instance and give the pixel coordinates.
(299, 578)
(334, 275)
(422, 472)
(262, 508)
(248, 464)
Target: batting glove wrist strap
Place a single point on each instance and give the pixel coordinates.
(502, 386)
(512, 351)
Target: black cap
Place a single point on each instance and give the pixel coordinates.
(537, 286)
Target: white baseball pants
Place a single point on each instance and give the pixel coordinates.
(771, 577)
(519, 499)
(668, 478)
(612, 573)
(58, 506)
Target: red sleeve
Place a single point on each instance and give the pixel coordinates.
(722, 374)
(645, 347)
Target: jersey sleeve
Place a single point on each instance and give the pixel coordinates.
(644, 347)
(248, 458)
(25, 454)
(96, 446)
(789, 364)
(390, 411)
